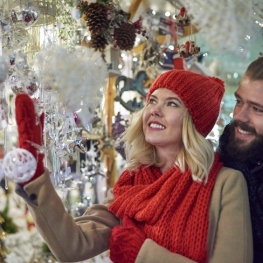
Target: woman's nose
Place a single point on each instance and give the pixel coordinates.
(156, 110)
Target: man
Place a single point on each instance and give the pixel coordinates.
(241, 145)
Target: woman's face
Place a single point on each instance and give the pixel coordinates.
(163, 119)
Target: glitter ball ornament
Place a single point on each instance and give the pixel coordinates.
(19, 165)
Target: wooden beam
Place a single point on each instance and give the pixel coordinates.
(134, 7)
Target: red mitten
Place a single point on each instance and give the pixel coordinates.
(29, 131)
(126, 242)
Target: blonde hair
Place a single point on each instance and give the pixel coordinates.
(196, 154)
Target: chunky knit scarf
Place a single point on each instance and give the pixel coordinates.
(170, 208)
(254, 177)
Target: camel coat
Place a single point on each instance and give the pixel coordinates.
(72, 240)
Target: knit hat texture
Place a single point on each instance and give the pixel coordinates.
(201, 95)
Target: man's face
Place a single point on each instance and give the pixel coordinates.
(247, 127)
(240, 150)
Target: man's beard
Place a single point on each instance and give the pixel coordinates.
(239, 150)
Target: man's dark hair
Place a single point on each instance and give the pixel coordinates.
(255, 69)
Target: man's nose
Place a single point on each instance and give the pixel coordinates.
(242, 114)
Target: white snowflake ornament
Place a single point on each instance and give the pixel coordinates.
(19, 165)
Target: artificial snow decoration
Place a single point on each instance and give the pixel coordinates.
(74, 80)
(227, 25)
(19, 165)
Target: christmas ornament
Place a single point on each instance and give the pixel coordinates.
(16, 38)
(109, 24)
(17, 82)
(188, 49)
(19, 165)
(5, 21)
(96, 17)
(31, 82)
(99, 43)
(182, 18)
(125, 35)
(117, 130)
(21, 61)
(25, 14)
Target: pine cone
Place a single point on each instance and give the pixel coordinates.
(98, 42)
(95, 16)
(125, 36)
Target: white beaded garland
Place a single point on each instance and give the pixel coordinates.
(1, 170)
(19, 165)
(3, 70)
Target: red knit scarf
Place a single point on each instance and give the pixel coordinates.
(170, 208)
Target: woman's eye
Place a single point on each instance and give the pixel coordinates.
(152, 101)
(173, 104)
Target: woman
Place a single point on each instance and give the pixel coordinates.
(175, 202)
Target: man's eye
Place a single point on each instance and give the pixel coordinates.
(152, 101)
(238, 101)
(257, 109)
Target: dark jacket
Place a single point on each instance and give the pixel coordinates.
(253, 173)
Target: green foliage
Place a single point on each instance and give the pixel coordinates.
(45, 248)
(104, 1)
(8, 225)
(67, 32)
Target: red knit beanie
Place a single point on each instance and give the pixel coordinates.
(201, 95)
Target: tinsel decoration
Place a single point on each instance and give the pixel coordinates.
(125, 36)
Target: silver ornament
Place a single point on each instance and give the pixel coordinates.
(25, 15)
(31, 82)
(17, 83)
(16, 38)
